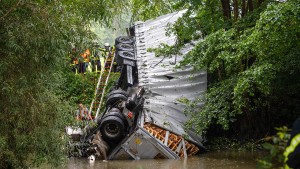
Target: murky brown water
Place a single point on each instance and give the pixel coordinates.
(210, 160)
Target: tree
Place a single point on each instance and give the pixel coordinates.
(250, 50)
(253, 60)
(144, 9)
(35, 39)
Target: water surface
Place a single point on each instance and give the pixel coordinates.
(210, 160)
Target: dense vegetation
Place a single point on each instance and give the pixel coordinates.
(36, 36)
(249, 48)
(251, 52)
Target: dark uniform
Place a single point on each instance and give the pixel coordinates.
(292, 151)
(107, 53)
(73, 56)
(96, 63)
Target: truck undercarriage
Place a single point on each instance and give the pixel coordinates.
(142, 117)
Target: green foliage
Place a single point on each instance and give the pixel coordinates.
(144, 10)
(232, 144)
(108, 34)
(251, 66)
(80, 87)
(218, 109)
(252, 61)
(276, 147)
(204, 16)
(164, 50)
(35, 38)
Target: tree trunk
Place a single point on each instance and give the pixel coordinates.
(250, 5)
(235, 10)
(226, 9)
(244, 12)
(260, 2)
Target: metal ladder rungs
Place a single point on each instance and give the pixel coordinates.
(101, 85)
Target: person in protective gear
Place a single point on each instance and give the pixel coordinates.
(106, 46)
(83, 113)
(107, 53)
(84, 61)
(292, 151)
(107, 50)
(74, 60)
(115, 64)
(96, 62)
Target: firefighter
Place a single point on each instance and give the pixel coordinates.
(84, 62)
(73, 60)
(115, 65)
(95, 59)
(76, 65)
(108, 52)
(87, 60)
(83, 113)
(292, 151)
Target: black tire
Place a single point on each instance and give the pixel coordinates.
(115, 112)
(112, 112)
(117, 92)
(124, 47)
(126, 55)
(112, 99)
(124, 39)
(112, 128)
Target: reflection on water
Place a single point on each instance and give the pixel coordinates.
(213, 160)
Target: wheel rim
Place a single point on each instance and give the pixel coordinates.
(124, 39)
(126, 46)
(128, 54)
(112, 130)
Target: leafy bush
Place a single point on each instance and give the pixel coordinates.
(35, 38)
(276, 148)
(253, 66)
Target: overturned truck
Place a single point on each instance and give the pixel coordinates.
(143, 118)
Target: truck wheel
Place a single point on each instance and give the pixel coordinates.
(126, 55)
(115, 112)
(124, 47)
(112, 99)
(118, 92)
(112, 128)
(124, 39)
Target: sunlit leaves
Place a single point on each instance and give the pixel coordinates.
(144, 9)
(252, 66)
(252, 82)
(164, 50)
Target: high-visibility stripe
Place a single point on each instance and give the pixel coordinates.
(291, 148)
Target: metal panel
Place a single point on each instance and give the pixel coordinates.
(163, 83)
(164, 86)
(141, 145)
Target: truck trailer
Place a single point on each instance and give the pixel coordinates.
(143, 117)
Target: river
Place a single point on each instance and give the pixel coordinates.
(209, 160)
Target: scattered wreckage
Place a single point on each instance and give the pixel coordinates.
(143, 118)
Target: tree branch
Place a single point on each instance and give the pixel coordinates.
(244, 11)
(235, 10)
(10, 10)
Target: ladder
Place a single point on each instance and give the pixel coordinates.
(101, 85)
